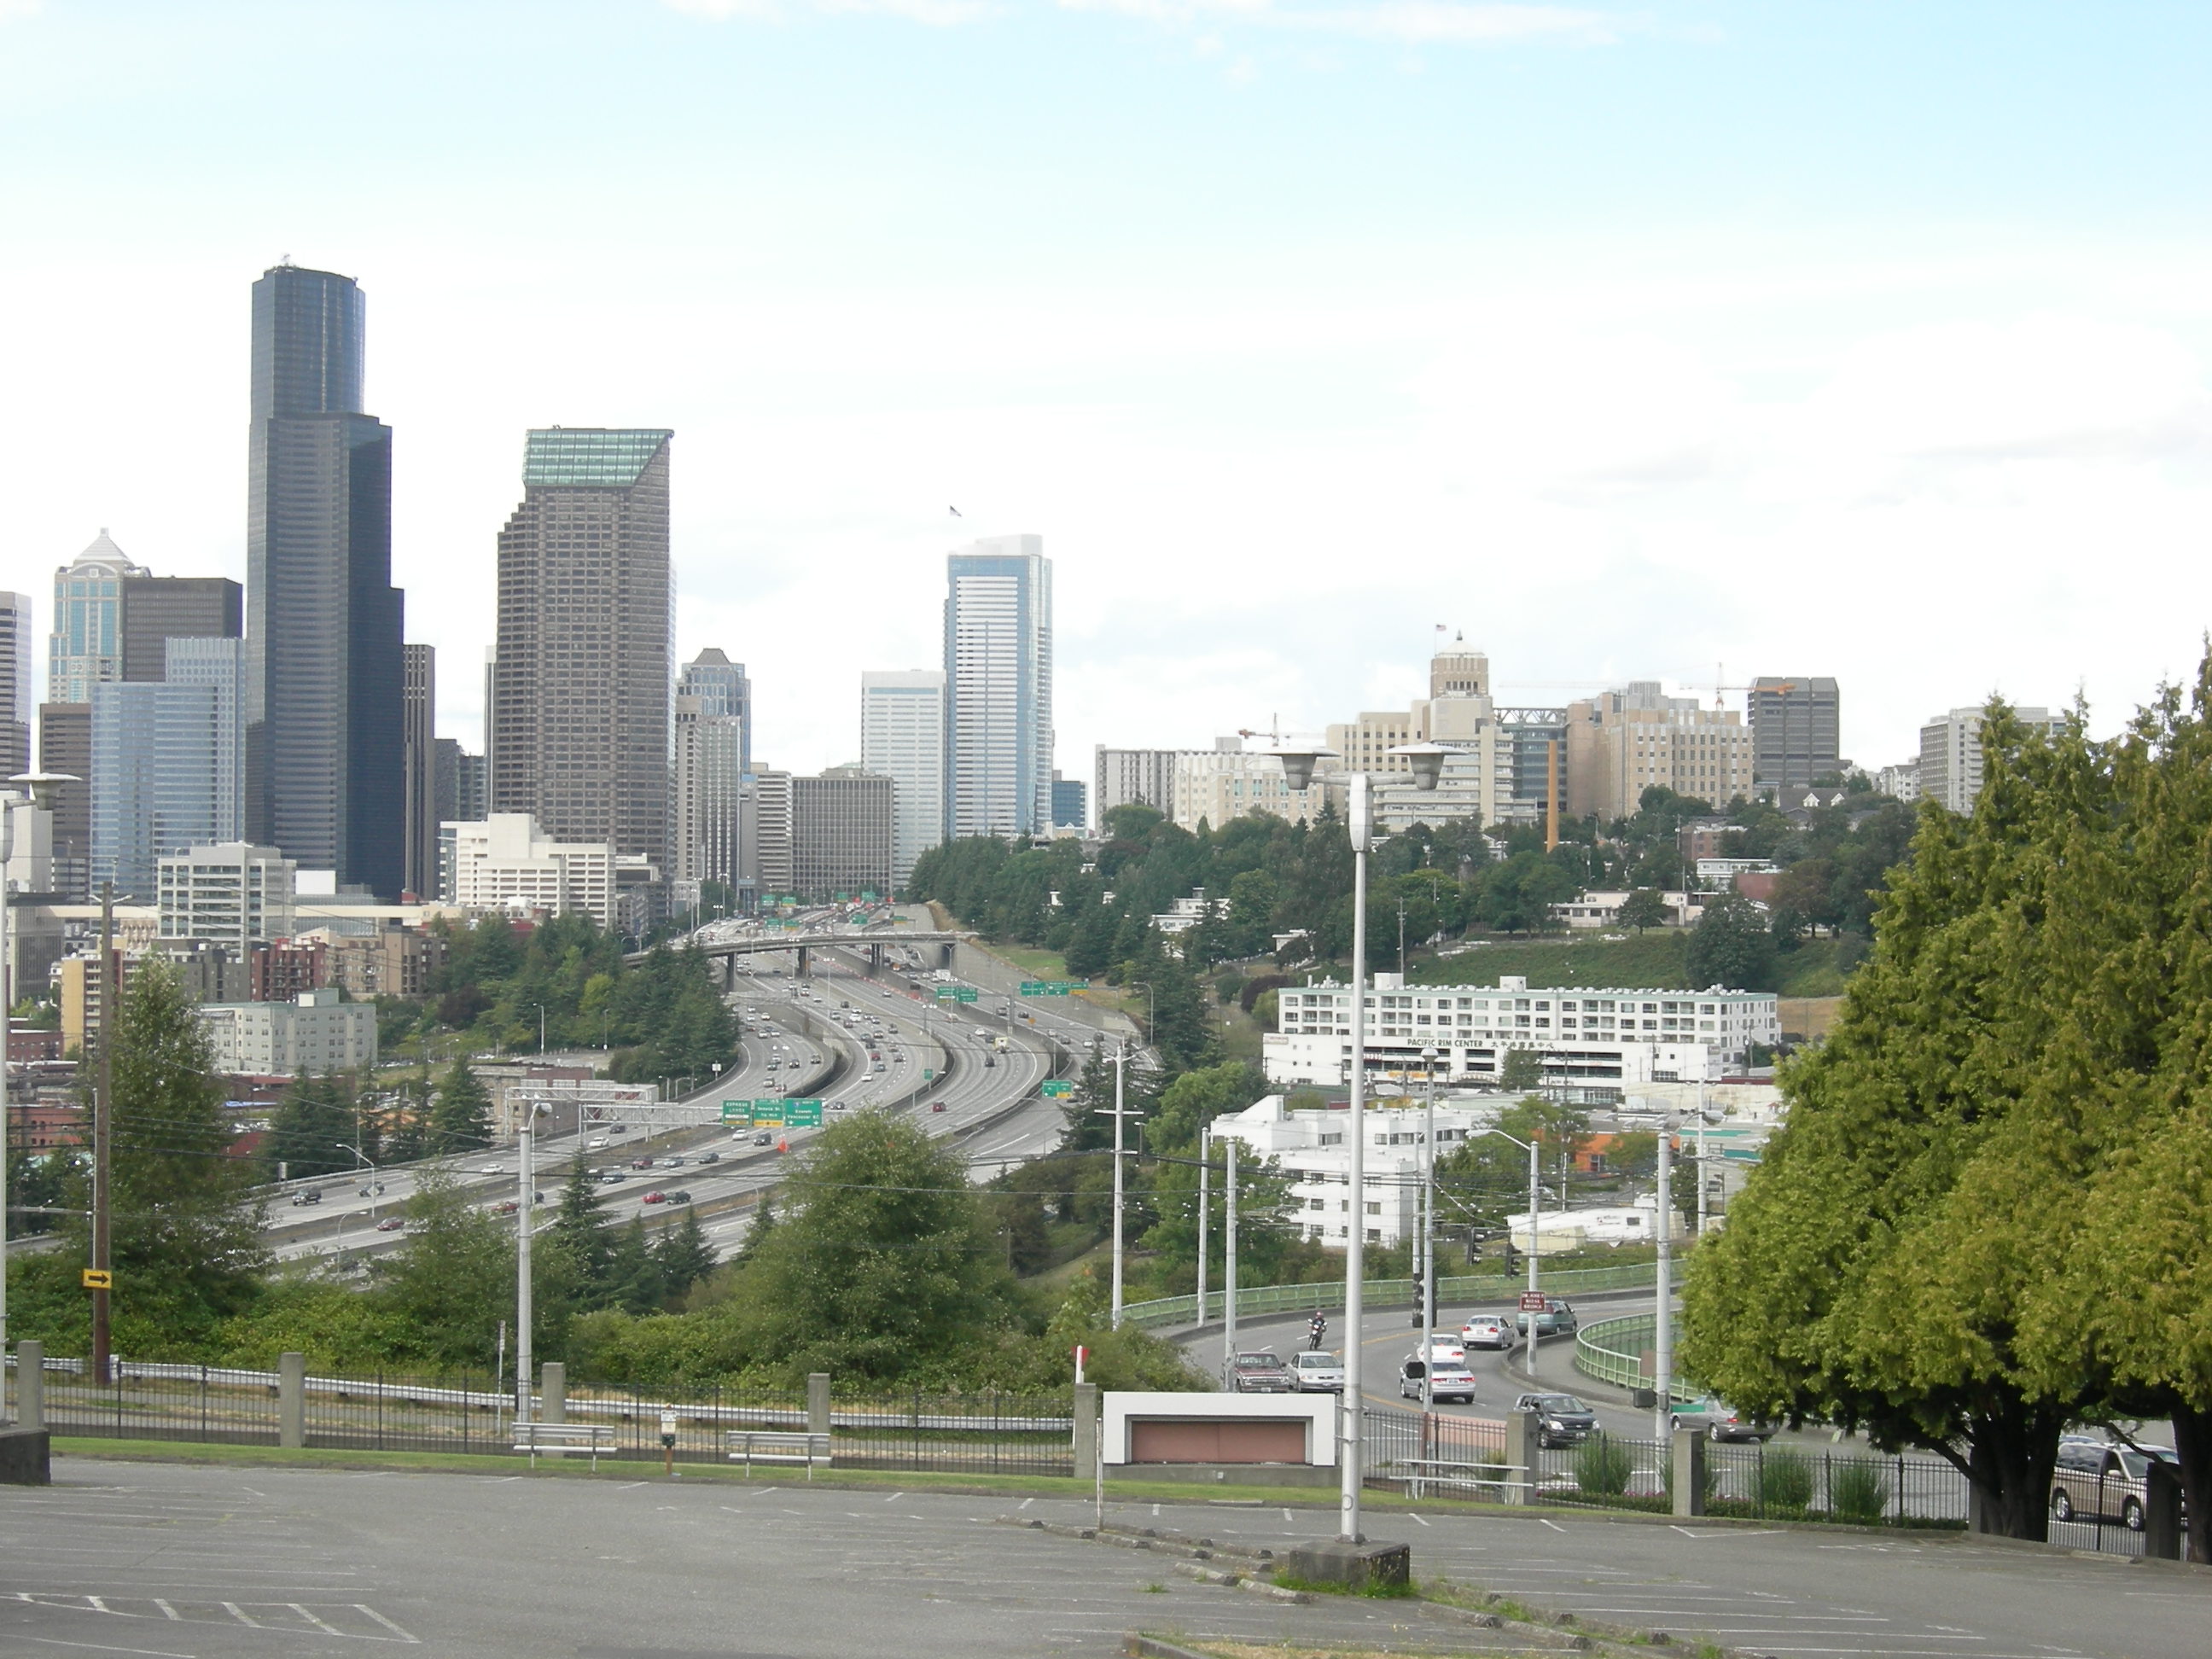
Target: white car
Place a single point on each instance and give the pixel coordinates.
(1315, 1372)
(1487, 1331)
(1448, 1378)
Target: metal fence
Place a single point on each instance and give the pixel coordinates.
(1256, 1301)
(1757, 1481)
(986, 1432)
(1613, 1350)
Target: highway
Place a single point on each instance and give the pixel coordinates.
(794, 1029)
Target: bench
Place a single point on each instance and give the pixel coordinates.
(535, 1437)
(751, 1446)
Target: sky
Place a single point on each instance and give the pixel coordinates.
(1691, 341)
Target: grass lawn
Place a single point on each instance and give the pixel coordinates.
(1658, 959)
(1036, 964)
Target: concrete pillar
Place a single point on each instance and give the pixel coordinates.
(1524, 1440)
(2162, 1511)
(30, 1385)
(875, 961)
(553, 1392)
(1086, 1431)
(805, 968)
(292, 1400)
(1687, 1480)
(817, 1402)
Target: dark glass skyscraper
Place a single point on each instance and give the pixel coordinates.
(324, 669)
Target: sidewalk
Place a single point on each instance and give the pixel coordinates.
(1555, 1369)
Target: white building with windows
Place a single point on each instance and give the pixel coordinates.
(506, 863)
(903, 739)
(232, 893)
(1588, 1039)
(319, 1031)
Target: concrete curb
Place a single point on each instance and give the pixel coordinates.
(1151, 1647)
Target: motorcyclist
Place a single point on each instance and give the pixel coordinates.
(1317, 1331)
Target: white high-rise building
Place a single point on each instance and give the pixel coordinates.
(903, 739)
(997, 675)
(16, 682)
(1950, 771)
(232, 894)
(711, 751)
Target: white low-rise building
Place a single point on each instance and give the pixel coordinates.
(1587, 1039)
(1594, 910)
(505, 863)
(319, 1032)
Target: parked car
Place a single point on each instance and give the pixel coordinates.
(1315, 1372)
(1260, 1372)
(1487, 1331)
(2094, 1481)
(1557, 1319)
(311, 1196)
(1717, 1419)
(1443, 1369)
(1562, 1420)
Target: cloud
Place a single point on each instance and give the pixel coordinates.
(936, 14)
(1398, 22)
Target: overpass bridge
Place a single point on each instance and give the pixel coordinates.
(726, 951)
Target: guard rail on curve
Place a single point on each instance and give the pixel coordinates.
(1612, 1350)
(1256, 1300)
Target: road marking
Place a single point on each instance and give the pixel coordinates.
(1025, 1503)
(894, 1497)
(1287, 1515)
(382, 1621)
(102, 1647)
(631, 1487)
(168, 1611)
(1553, 1525)
(233, 1609)
(327, 1630)
(1416, 1515)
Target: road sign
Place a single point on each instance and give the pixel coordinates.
(929, 1074)
(958, 994)
(1061, 988)
(767, 1112)
(98, 1279)
(737, 1111)
(1534, 1302)
(802, 1113)
(1036, 987)
(1058, 1089)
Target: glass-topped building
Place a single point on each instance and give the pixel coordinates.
(324, 682)
(86, 646)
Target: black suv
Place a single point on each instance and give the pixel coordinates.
(1561, 1419)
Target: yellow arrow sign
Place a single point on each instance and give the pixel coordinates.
(98, 1279)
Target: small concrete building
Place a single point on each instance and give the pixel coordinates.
(318, 1031)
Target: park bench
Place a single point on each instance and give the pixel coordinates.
(751, 1446)
(535, 1437)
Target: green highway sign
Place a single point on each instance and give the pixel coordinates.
(1047, 988)
(1061, 988)
(737, 1111)
(1058, 1089)
(929, 1074)
(767, 1114)
(958, 994)
(802, 1113)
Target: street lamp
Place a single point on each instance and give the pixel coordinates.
(37, 789)
(1426, 761)
(375, 1187)
(1534, 1197)
(1425, 1257)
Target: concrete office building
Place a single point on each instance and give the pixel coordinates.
(1133, 777)
(1950, 769)
(15, 694)
(1308, 1146)
(997, 683)
(903, 739)
(508, 863)
(1212, 785)
(319, 1031)
(1621, 743)
(724, 693)
(323, 675)
(458, 782)
(581, 683)
(705, 799)
(167, 763)
(764, 834)
(86, 646)
(1070, 803)
(234, 895)
(159, 609)
(842, 834)
(65, 750)
(418, 730)
(1796, 731)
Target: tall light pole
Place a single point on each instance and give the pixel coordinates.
(1204, 1166)
(1426, 1255)
(37, 788)
(1120, 1057)
(1534, 1193)
(1662, 1323)
(375, 1185)
(523, 1310)
(1425, 760)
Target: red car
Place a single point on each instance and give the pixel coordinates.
(390, 1223)
(655, 1198)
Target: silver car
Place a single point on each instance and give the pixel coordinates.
(1315, 1372)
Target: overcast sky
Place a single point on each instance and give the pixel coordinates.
(1691, 339)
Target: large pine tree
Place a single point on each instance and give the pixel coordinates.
(461, 1118)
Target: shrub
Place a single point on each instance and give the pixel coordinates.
(1785, 1479)
(1603, 1467)
(1858, 1489)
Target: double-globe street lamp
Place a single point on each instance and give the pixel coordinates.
(1425, 761)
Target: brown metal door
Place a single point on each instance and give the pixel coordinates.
(1205, 1440)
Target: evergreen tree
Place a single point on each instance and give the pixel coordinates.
(461, 1119)
(756, 1235)
(634, 1281)
(313, 1130)
(683, 1255)
(1732, 946)
(579, 1229)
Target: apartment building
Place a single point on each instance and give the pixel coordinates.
(318, 1031)
(1621, 743)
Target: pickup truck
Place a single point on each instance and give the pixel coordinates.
(1262, 1372)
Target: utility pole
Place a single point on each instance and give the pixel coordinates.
(1205, 1169)
(1121, 1056)
(103, 1113)
(523, 1219)
(1662, 1327)
(1229, 1271)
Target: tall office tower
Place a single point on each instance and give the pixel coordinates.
(457, 783)
(581, 682)
(324, 679)
(704, 802)
(86, 646)
(418, 728)
(1950, 771)
(1071, 799)
(998, 683)
(1796, 732)
(167, 763)
(903, 739)
(15, 682)
(842, 834)
(65, 750)
(159, 609)
(764, 853)
(724, 693)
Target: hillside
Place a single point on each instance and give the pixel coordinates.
(1658, 960)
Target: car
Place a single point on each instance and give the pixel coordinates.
(1317, 1372)
(1557, 1319)
(1562, 1420)
(679, 1198)
(2095, 1482)
(764, 1139)
(1261, 1371)
(936, 1105)
(1442, 1348)
(595, 1143)
(1719, 1420)
(655, 1198)
(390, 1223)
(710, 1157)
(640, 1164)
(990, 1059)
(836, 1105)
(489, 1169)
(373, 1189)
(1443, 1369)
(673, 1163)
(509, 1205)
(309, 1197)
(613, 1177)
(1487, 1331)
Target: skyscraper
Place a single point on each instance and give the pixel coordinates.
(86, 646)
(419, 767)
(713, 746)
(324, 676)
(998, 681)
(159, 609)
(15, 682)
(581, 678)
(167, 763)
(1795, 731)
(903, 739)
(724, 693)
